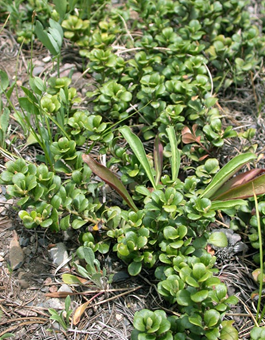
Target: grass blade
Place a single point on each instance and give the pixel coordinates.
(226, 172)
(138, 149)
(175, 159)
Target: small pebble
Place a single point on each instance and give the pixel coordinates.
(65, 288)
(68, 234)
(53, 303)
(2, 210)
(27, 251)
(43, 242)
(16, 254)
(59, 254)
(23, 284)
(23, 241)
(38, 63)
(37, 70)
(45, 289)
(46, 59)
(119, 317)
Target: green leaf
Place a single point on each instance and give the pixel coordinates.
(65, 222)
(70, 279)
(183, 298)
(103, 248)
(109, 177)
(218, 239)
(192, 282)
(60, 6)
(47, 223)
(126, 96)
(212, 334)
(90, 259)
(167, 336)
(221, 205)
(238, 181)
(67, 303)
(199, 296)
(257, 333)
(198, 270)
(228, 332)
(44, 38)
(196, 320)
(226, 172)
(138, 149)
(211, 317)
(56, 31)
(6, 336)
(232, 300)
(134, 268)
(78, 223)
(170, 233)
(140, 317)
(175, 153)
(4, 82)
(54, 43)
(210, 101)
(37, 85)
(221, 291)
(28, 106)
(4, 119)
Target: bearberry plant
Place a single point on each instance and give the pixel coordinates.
(156, 70)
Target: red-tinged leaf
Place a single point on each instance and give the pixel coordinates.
(158, 159)
(109, 177)
(238, 181)
(81, 309)
(185, 130)
(203, 157)
(254, 295)
(79, 312)
(188, 137)
(73, 279)
(194, 128)
(256, 275)
(245, 190)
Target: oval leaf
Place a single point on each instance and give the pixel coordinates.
(218, 239)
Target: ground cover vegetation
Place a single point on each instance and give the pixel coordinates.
(154, 132)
